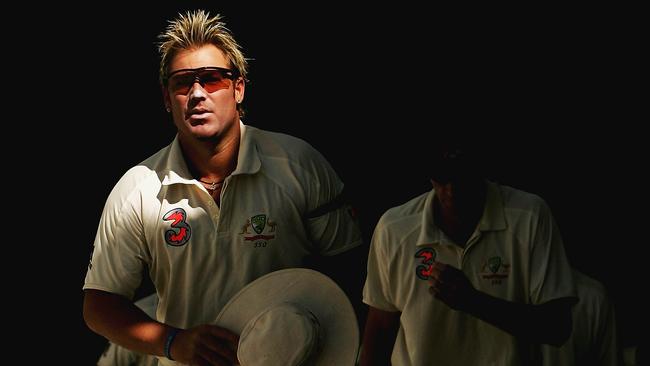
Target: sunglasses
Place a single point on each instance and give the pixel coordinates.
(210, 78)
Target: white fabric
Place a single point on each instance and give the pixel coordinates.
(593, 341)
(284, 335)
(515, 253)
(291, 316)
(119, 356)
(199, 255)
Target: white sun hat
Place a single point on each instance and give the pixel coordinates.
(292, 317)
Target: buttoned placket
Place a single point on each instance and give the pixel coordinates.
(213, 208)
(476, 236)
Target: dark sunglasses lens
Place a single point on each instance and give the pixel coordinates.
(210, 80)
(213, 80)
(181, 83)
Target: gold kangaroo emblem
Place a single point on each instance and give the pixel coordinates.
(271, 225)
(244, 229)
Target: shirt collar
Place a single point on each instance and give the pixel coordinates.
(177, 171)
(494, 215)
(248, 160)
(493, 218)
(429, 233)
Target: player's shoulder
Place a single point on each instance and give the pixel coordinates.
(145, 176)
(400, 223)
(521, 201)
(280, 145)
(588, 286)
(412, 209)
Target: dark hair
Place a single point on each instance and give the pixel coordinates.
(453, 161)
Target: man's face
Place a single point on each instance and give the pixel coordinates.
(203, 96)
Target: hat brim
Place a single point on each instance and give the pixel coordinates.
(314, 291)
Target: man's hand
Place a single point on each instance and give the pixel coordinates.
(450, 286)
(205, 345)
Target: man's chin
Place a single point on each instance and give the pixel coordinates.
(204, 132)
(207, 138)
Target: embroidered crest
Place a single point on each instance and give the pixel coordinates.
(494, 263)
(495, 270)
(258, 222)
(262, 226)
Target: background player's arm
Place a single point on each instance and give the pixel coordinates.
(379, 337)
(547, 323)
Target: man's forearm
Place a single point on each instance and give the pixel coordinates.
(118, 319)
(548, 323)
(379, 337)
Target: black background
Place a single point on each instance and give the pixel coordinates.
(553, 97)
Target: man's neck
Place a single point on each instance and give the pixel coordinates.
(458, 222)
(212, 160)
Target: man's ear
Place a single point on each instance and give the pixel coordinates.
(166, 99)
(240, 87)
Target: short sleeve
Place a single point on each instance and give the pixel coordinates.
(605, 344)
(376, 291)
(118, 255)
(330, 220)
(550, 276)
(117, 356)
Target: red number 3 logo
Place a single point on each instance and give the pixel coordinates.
(180, 232)
(427, 255)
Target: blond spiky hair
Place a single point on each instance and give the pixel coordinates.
(195, 29)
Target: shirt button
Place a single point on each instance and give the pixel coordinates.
(211, 203)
